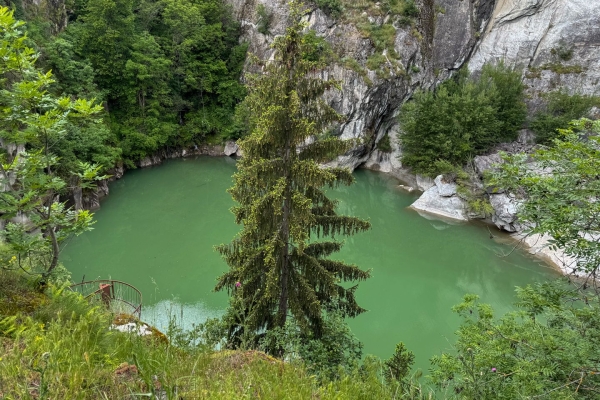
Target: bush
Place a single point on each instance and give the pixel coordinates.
(333, 8)
(263, 24)
(410, 9)
(384, 144)
(561, 108)
(462, 118)
(330, 356)
(547, 349)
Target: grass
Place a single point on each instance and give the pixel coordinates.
(64, 348)
(556, 67)
(18, 294)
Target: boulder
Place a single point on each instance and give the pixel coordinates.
(486, 163)
(445, 189)
(505, 212)
(231, 148)
(450, 207)
(539, 246)
(424, 183)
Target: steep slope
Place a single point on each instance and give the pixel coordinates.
(555, 42)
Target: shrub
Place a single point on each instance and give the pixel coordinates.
(410, 9)
(462, 118)
(546, 349)
(384, 144)
(563, 52)
(560, 109)
(333, 354)
(333, 8)
(265, 17)
(375, 61)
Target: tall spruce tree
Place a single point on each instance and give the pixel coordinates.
(278, 262)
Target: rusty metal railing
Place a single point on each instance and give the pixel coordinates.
(118, 296)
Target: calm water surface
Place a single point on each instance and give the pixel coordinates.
(158, 227)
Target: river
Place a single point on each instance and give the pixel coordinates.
(158, 227)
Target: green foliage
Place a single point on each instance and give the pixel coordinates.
(563, 202)
(63, 348)
(548, 349)
(480, 206)
(265, 17)
(382, 36)
(316, 49)
(462, 118)
(384, 144)
(376, 61)
(167, 71)
(38, 121)
(563, 52)
(278, 266)
(561, 108)
(333, 8)
(335, 353)
(410, 9)
(397, 368)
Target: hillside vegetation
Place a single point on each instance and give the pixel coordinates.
(167, 72)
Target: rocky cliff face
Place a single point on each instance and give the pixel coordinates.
(556, 43)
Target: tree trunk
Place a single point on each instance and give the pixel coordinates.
(285, 237)
(55, 251)
(285, 233)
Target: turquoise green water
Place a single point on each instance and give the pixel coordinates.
(158, 227)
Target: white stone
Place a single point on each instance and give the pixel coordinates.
(231, 148)
(424, 183)
(132, 327)
(539, 246)
(450, 207)
(505, 212)
(445, 189)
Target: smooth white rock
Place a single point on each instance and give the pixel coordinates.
(450, 207)
(445, 189)
(231, 148)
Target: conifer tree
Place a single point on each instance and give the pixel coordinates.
(279, 264)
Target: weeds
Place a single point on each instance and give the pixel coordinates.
(66, 349)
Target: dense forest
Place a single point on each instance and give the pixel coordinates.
(166, 72)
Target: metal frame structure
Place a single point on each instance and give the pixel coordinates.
(111, 292)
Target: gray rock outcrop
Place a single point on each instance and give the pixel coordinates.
(556, 43)
(441, 199)
(231, 148)
(505, 212)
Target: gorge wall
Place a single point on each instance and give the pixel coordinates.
(556, 44)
